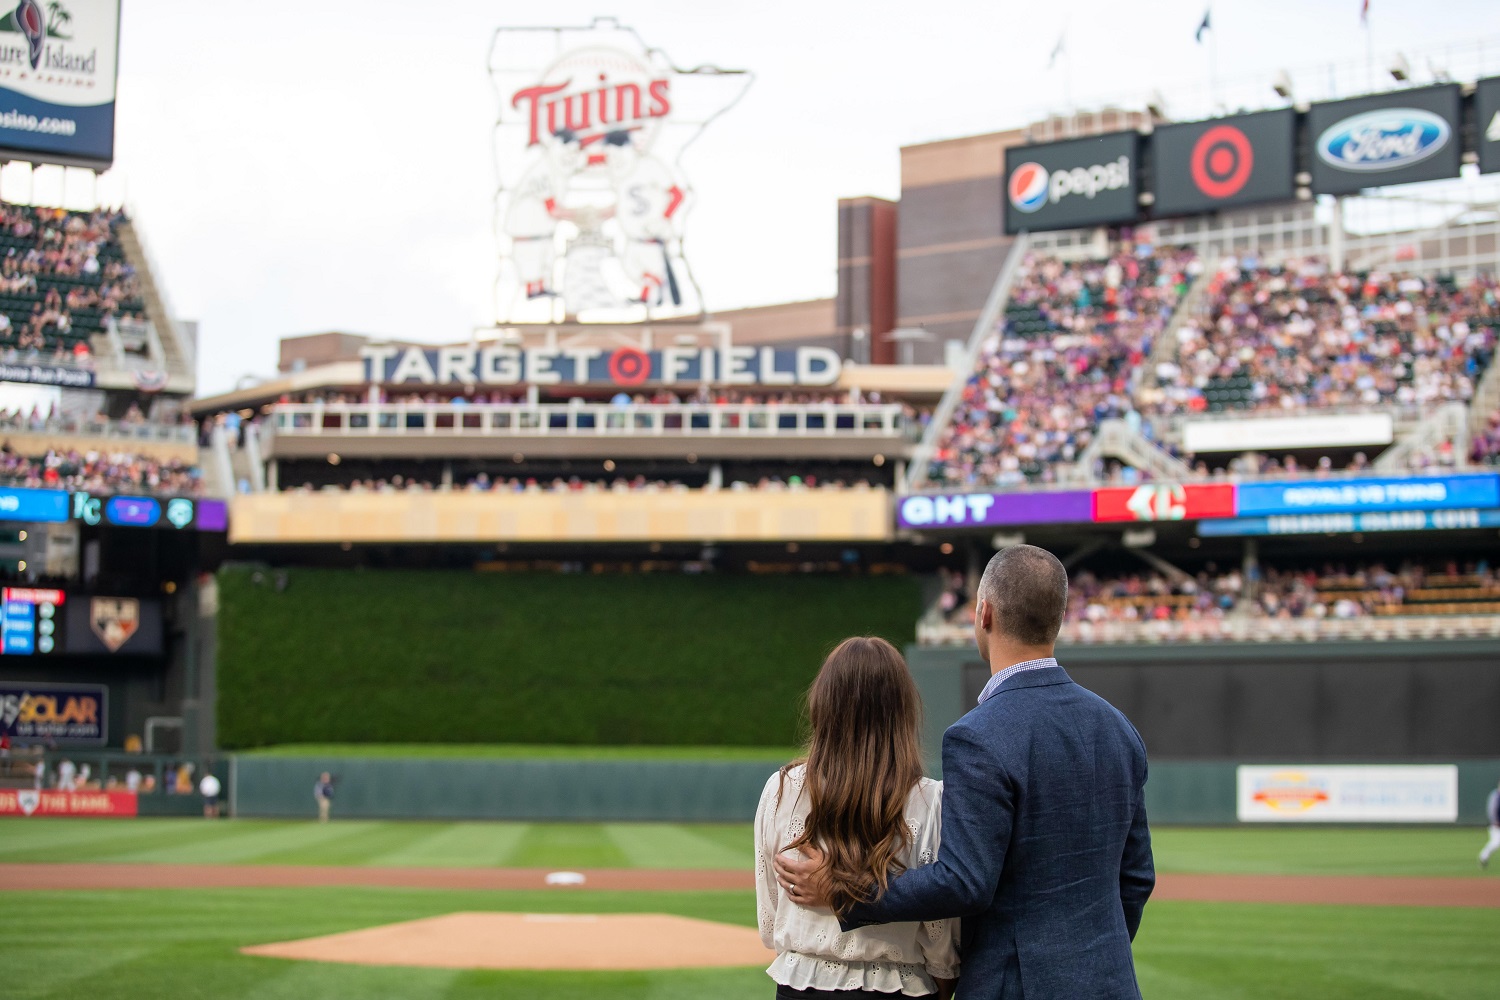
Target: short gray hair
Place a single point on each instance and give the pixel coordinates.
(1027, 589)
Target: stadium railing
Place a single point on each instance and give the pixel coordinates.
(1247, 629)
(592, 419)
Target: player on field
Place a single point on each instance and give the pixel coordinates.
(1492, 811)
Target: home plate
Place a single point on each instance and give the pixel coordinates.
(538, 941)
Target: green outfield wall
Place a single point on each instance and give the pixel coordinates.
(382, 656)
(1192, 793)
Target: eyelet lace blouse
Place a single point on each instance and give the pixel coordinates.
(811, 951)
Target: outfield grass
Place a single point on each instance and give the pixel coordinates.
(1269, 851)
(526, 751)
(145, 945)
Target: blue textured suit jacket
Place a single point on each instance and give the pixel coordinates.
(1045, 851)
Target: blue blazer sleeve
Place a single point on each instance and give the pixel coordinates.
(978, 809)
(1137, 867)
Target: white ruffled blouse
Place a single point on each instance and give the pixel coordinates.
(811, 951)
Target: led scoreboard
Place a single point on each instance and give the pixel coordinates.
(28, 620)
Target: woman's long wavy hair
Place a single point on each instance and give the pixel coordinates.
(863, 759)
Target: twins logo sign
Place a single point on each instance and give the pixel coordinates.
(1201, 166)
(593, 199)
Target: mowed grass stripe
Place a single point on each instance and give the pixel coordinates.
(1188, 950)
(567, 845)
(661, 845)
(231, 844)
(1447, 851)
(459, 845)
(291, 980)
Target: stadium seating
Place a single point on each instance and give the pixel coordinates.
(63, 278)
(1075, 340)
(1300, 337)
(1068, 355)
(99, 471)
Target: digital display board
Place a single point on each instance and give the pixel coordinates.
(1164, 502)
(1071, 184)
(29, 620)
(1413, 493)
(1487, 124)
(57, 92)
(1348, 523)
(176, 513)
(1241, 160)
(42, 506)
(1397, 138)
(989, 510)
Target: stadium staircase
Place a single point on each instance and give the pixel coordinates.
(1117, 439)
(1486, 400)
(170, 356)
(987, 324)
(1448, 423)
(1165, 348)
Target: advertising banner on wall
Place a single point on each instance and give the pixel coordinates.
(1340, 524)
(1413, 493)
(1164, 502)
(1202, 437)
(57, 82)
(1241, 160)
(1071, 184)
(1487, 122)
(989, 510)
(1396, 138)
(1347, 794)
(32, 802)
(64, 713)
(63, 376)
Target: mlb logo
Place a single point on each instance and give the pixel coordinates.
(28, 799)
(115, 620)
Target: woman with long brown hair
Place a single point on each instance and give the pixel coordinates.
(858, 796)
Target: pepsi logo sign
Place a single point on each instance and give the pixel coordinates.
(1388, 139)
(1028, 187)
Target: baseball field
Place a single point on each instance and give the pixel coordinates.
(162, 908)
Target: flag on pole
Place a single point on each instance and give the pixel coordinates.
(1364, 12)
(1205, 26)
(1057, 50)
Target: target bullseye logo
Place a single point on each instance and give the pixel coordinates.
(1221, 162)
(628, 366)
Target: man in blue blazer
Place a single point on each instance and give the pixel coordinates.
(1045, 850)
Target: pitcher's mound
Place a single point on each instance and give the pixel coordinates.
(540, 941)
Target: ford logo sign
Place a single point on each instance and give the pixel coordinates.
(1388, 139)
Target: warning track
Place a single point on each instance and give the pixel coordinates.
(1340, 890)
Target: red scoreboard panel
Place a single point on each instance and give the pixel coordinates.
(1164, 502)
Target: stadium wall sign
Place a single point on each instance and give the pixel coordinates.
(1487, 124)
(1345, 524)
(1347, 794)
(1338, 431)
(1398, 138)
(988, 510)
(1074, 183)
(66, 713)
(58, 375)
(1416, 493)
(31, 802)
(1224, 162)
(623, 367)
(57, 101)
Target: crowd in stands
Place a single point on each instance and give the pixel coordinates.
(1301, 337)
(98, 471)
(1069, 355)
(63, 277)
(1328, 591)
(1291, 339)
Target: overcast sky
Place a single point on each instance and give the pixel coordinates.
(327, 166)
